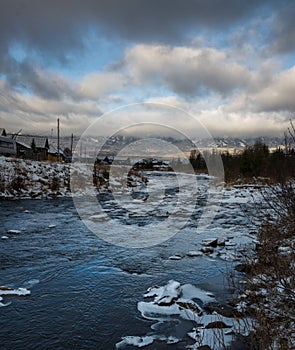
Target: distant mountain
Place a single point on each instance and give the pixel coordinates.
(114, 144)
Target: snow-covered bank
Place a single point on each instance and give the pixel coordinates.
(32, 179)
(29, 179)
(269, 289)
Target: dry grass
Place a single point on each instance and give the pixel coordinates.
(269, 293)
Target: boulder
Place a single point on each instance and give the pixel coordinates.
(189, 305)
(221, 242)
(210, 242)
(244, 268)
(221, 309)
(5, 288)
(217, 324)
(207, 250)
(13, 232)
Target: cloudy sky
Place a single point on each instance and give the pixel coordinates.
(230, 63)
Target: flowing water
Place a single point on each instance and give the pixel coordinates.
(84, 291)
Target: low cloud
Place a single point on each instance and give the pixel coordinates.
(185, 70)
(96, 84)
(279, 94)
(36, 114)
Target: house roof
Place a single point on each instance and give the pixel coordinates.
(54, 150)
(23, 144)
(40, 141)
(6, 139)
(2, 132)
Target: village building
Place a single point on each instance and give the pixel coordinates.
(3, 132)
(31, 146)
(55, 155)
(7, 145)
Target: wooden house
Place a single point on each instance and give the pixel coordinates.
(7, 146)
(31, 147)
(54, 155)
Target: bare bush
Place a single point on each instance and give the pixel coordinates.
(269, 293)
(55, 184)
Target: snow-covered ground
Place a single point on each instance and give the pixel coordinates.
(32, 179)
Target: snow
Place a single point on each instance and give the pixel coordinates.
(37, 179)
(7, 291)
(145, 340)
(13, 232)
(192, 292)
(135, 341)
(175, 257)
(227, 256)
(18, 291)
(193, 253)
(173, 301)
(166, 294)
(2, 304)
(215, 339)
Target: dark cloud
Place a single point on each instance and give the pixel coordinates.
(38, 81)
(283, 31)
(59, 25)
(52, 30)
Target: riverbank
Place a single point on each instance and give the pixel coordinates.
(25, 179)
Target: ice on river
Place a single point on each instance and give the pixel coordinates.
(176, 301)
(10, 291)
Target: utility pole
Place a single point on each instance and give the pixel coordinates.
(72, 142)
(58, 155)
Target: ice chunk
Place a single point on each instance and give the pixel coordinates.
(191, 292)
(2, 304)
(9, 291)
(213, 338)
(193, 253)
(169, 293)
(175, 257)
(227, 256)
(135, 341)
(32, 282)
(166, 294)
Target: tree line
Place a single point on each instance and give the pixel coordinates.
(254, 162)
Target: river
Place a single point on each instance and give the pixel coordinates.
(84, 291)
